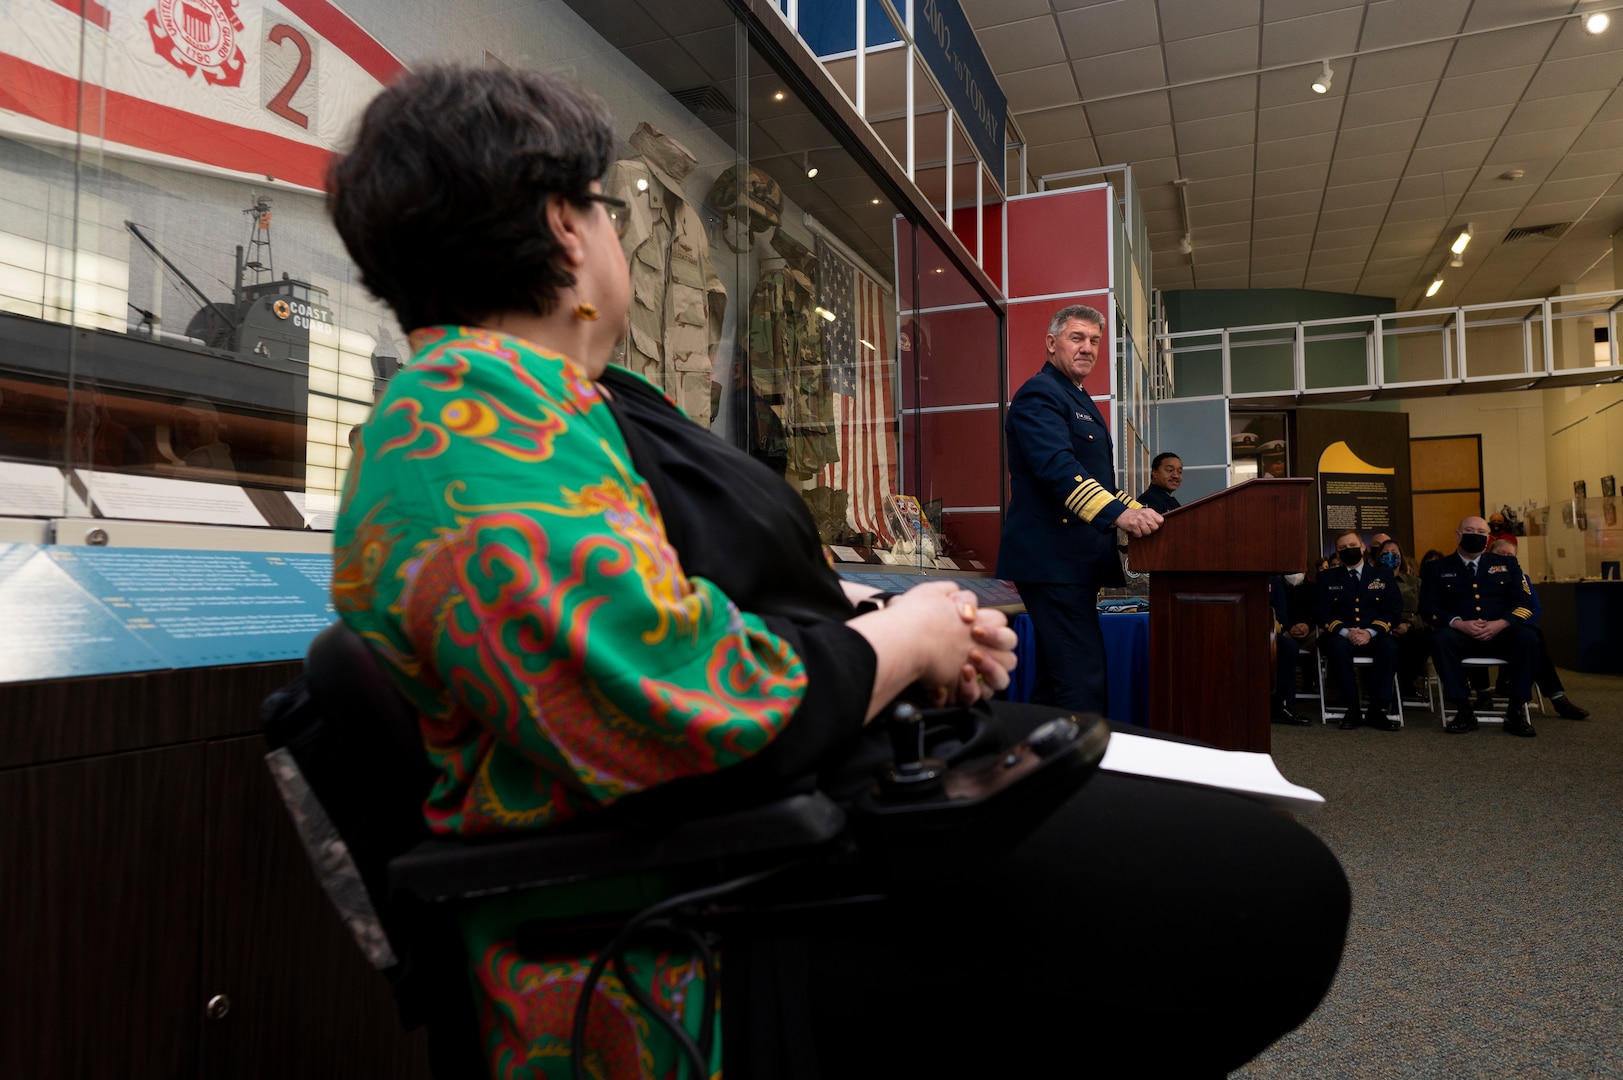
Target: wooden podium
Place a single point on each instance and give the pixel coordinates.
(1209, 611)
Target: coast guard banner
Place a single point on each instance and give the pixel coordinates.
(262, 89)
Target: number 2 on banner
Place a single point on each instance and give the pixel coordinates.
(281, 104)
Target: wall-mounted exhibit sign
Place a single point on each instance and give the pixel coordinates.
(949, 48)
(1353, 494)
(70, 611)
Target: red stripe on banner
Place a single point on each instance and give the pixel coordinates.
(46, 95)
(346, 33)
(88, 10)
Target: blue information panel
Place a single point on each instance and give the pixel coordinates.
(91, 611)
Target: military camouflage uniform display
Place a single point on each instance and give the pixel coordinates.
(678, 301)
(787, 366)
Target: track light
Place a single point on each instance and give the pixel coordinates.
(1597, 22)
(805, 163)
(1185, 246)
(1464, 238)
(1321, 85)
(1437, 283)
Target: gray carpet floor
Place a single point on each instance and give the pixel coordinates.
(1487, 878)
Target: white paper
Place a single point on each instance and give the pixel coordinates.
(158, 498)
(944, 563)
(845, 554)
(320, 512)
(32, 490)
(885, 557)
(1235, 770)
(977, 564)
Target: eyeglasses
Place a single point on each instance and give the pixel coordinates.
(618, 209)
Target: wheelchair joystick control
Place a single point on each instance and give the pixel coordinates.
(911, 775)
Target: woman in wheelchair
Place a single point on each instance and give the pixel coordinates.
(594, 603)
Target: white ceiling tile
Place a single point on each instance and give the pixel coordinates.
(1233, 52)
(1120, 73)
(1288, 205)
(1612, 110)
(1222, 281)
(1395, 22)
(1290, 153)
(1296, 245)
(1589, 163)
(1285, 181)
(1276, 279)
(1377, 139)
(1457, 93)
(1029, 43)
(1330, 239)
(1182, 19)
(1534, 144)
(1164, 221)
(1062, 157)
(1039, 88)
(1490, 13)
(1599, 135)
(1212, 164)
(1603, 71)
(1538, 213)
(1346, 196)
(1217, 133)
(1273, 10)
(1463, 157)
(1480, 203)
(1432, 211)
(1218, 254)
(1428, 186)
(1228, 189)
(992, 12)
(1388, 266)
(1226, 213)
(1213, 236)
(1109, 28)
(1402, 249)
(1155, 172)
(1500, 50)
(1128, 114)
(1129, 147)
(1400, 67)
(1534, 173)
(1272, 263)
(1389, 106)
(1543, 114)
(1156, 198)
(1216, 98)
(1311, 37)
(1584, 187)
(1367, 168)
(1270, 227)
(1303, 118)
(1055, 125)
(1356, 217)
(1444, 128)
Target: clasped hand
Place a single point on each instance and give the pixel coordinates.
(1481, 629)
(968, 650)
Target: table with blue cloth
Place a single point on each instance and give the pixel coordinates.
(1127, 664)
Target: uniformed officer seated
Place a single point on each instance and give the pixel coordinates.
(1480, 604)
(1358, 601)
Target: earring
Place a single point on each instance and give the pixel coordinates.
(586, 312)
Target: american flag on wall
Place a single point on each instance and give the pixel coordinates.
(856, 348)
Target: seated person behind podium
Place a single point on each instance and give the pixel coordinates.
(1544, 674)
(594, 603)
(1479, 604)
(1166, 475)
(1358, 603)
(1413, 634)
(1288, 637)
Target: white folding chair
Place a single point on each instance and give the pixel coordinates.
(1488, 716)
(1327, 713)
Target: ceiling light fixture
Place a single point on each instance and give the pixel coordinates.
(778, 96)
(1185, 246)
(1464, 238)
(1321, 85)
(1597, 22)
(805, 163)
(1436, 284)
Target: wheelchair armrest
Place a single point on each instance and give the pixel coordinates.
(438, 870)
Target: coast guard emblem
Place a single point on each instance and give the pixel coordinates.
(199, 35)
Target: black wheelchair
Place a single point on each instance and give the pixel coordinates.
(346, 756)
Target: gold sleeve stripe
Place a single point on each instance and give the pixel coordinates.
(1130, 502)
(1332, 625)
(1384, 627)
(1088, 500)
(1523, 613)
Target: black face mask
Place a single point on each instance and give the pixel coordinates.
(1473, 543)
(1350, 556)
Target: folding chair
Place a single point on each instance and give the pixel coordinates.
(1327, 713)
(1487, 716)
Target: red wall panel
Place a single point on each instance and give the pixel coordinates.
(1028, 331)
(1059, 243)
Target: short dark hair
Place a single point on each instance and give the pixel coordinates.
(441, 200)
(1349, 532)
(1156, 464)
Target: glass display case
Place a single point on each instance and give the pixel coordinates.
(1580, 540)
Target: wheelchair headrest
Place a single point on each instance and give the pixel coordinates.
(348, 684)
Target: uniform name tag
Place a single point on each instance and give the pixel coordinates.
(1497, 569)
(1084, 416)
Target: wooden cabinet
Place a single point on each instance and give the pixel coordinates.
(137, 885)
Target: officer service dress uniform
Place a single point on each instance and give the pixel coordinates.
(1364, 597)
(1059, 539)
(1159, 499)
(1489, 587)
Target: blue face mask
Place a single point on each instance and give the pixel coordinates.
(1391, 559)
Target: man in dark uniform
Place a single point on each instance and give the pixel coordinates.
(1287, 649)
(1166, 474)
(1059, 538)
(1358, 603)
(1480, 604)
